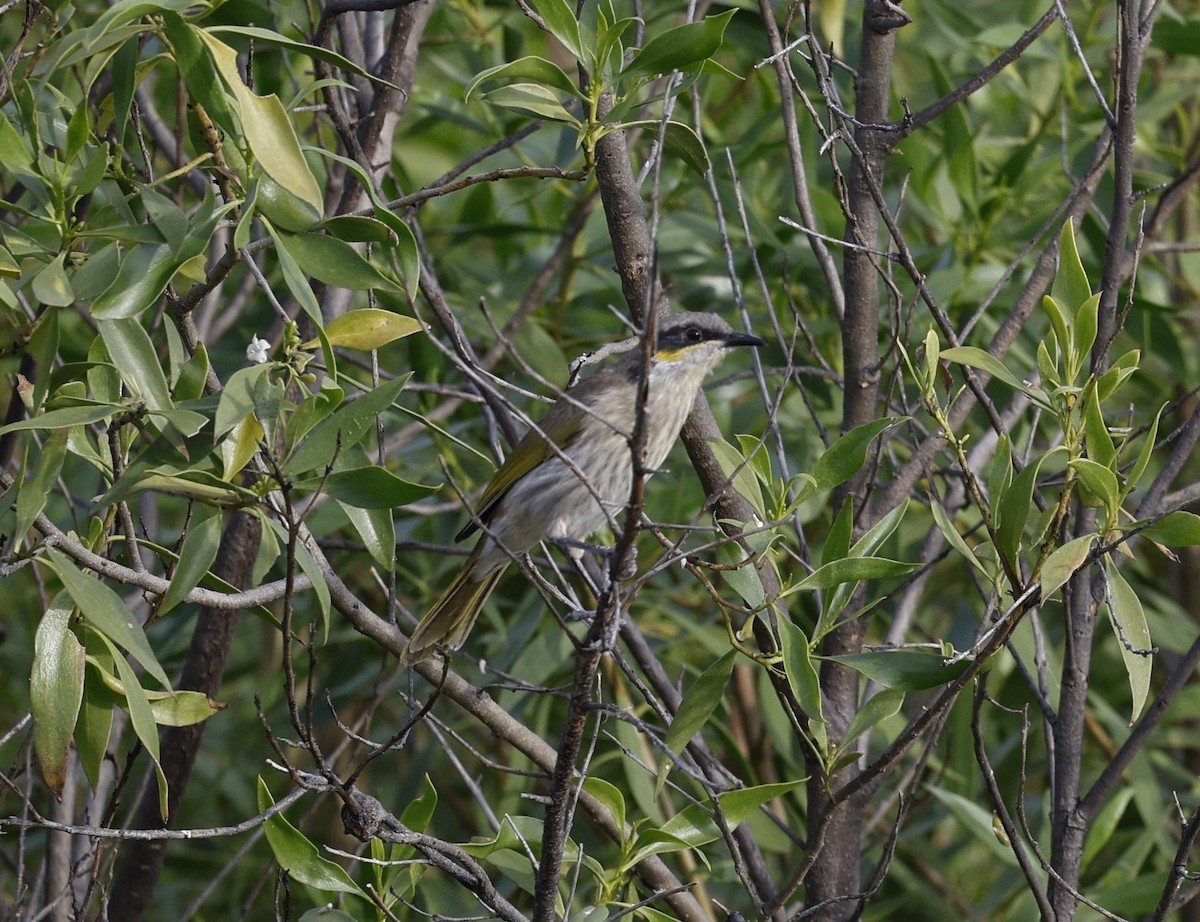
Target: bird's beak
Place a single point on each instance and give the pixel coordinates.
(742, 339)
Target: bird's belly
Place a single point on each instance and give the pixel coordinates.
(553, 501)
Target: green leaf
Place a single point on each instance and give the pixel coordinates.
(1012, 512)
(316, 52)
(1085, 327)
(370, 487)
(684, 48)
(141, 717)
(334, 262)
(695, 826)
(133, 354)
(344, 427)
(66, 418)
(908, 670)
(879, 708)
(561, 23)
(296, 280)
(700, 702)
(799, 668)
(359, 229)
(181, 708)
(842, 460)
(55, 690)
(678, 139)
(531, 68)
(51, 286)
(1143, 459)
(299, 857)
(531, 99)
(743, 576)
(837, 541)
(1133, 635)
(852, 569)
(237, 398)
(950, 533)
(1071, 287)
(165, 215)
(240, 446)
(419, 812)
(267, 127)
(168, 709)
(985, 361)
(1062, 324)
(1108, 818)
(369, 328)
(34, 489)
(744, 482)
(1063, 562)
(193, 484)
(197, 554)
(193, 376)
(1177, 529)
(103, 609)
(1099, 443)
(94, 727)
(1098, 484)
(1118, 373)
(406, 247)
(377, 530)
(125, 11)
(977, 821)
(145, 272)
(277, 204)
(609, 795)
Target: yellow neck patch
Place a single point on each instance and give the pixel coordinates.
(672, 355)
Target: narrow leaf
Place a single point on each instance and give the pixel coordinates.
(132, 351)
(1012, 511)
(842, 460)
(878, 709)
(852, 569)
(197, 554)
(560, 20)
(527, 69)
(1063, 562)
(299, 857)
(699, 702)
(103, 609)
(799, 669)
(55, 690)
(1178, 529)
(377, 530)
(908, 670)
(1071, 287)
(1133, 635)
(685, 47)
(369, 328)
(368, 488)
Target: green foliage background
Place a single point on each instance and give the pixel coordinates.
(979, 194)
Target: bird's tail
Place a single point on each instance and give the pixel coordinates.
(447, 624)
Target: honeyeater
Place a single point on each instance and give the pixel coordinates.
(568, 477)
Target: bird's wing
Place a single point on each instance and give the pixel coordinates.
(560, 427)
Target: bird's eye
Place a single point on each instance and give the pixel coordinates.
(693, 335)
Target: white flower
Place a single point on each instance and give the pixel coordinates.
(257, 351)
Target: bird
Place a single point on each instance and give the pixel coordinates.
(568, 476)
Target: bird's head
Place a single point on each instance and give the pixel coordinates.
(697, 339)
